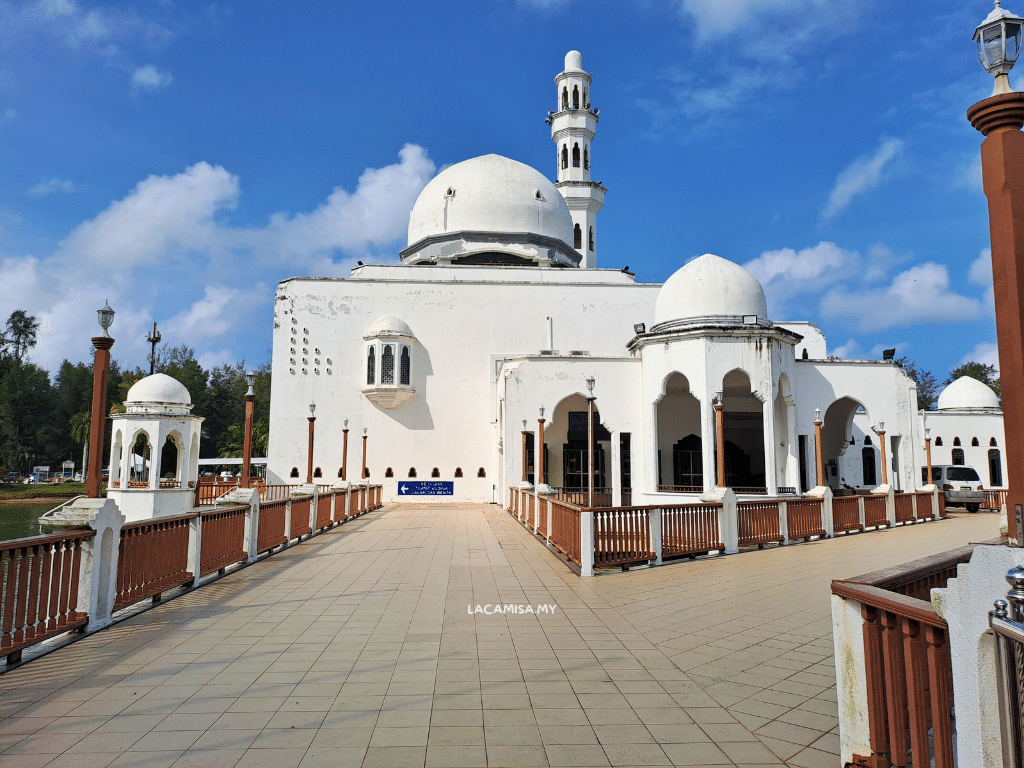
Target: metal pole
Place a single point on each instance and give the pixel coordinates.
(928, 453)
(100, 367)
(590, 453)
(885, 469)
(720, 443)
(538, 454)
(364, 453)
(524, 456)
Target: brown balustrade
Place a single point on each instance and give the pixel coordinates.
(580, 496)
(994, 499)
(274, 492)
(690, 530)
(39, 597)
(875, 513)
(323, 511)
(300, 517)
(223, 539)
(622, 536)
(271, 528)
(542, 516)
(942, 505)
(532, 500)
(803, 518)
(758, 522)
(153, 557)
(339, 506)
(209, 489)
(846, 514)
(565, 530)
(904, 507)
(680, 489)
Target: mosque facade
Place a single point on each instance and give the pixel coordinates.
(438, 367)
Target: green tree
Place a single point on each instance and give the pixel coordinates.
(20, 334)
(986, 374)
(927, 389)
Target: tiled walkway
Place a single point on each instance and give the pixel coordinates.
(357, 648)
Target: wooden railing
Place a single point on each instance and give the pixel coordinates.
(565, 530)
(907, 664)
(153, 556)
(542, 516)
(994, 499)
(758, 522)
(804, 519)
(300, 517)
(846, 514)
(274, 492)
(209, 489)
(904, 507)
(680, 489)
(223, 539)
(270, 533)
(622, 536)
(875, 513)
(690, 529)
(323, 510)
(39, 596)
(579, 496)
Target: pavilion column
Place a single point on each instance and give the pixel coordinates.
(100, 368)
(309, 451)
(928, 454)
(538, 455)
(250, 404)
(344, 453)
(819, 462)
(885, 461)
(616, 468)
(720, 443)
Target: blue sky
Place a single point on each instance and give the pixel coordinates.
(179, 159)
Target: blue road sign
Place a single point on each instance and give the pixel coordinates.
(426, 488)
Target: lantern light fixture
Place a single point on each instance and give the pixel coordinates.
(312, 408)
(346, 423)
(590, 384)
(927, 433)
(817, 414)
(542, 412)
(524, 425)
(250, 380)
(106, 317)
(998, 39)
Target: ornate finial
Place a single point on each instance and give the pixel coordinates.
(1000, 611)
(1015, 577)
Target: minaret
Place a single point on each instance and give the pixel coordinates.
(572, 129)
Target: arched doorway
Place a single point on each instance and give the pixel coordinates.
(743, 431)
(680, 446)
(567, 452)
(836, 433)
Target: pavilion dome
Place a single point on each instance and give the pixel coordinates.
(490, 194)
(710, 289)
(389, 325)
(966, 392)
(159, 388)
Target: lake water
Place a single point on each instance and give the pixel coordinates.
(21, 518)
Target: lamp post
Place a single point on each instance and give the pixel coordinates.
(880, 431)
(525, 483)
(344, 452)
(928, 452)
(538, 455)
(100, 367)
(250, 402)
(309, 464)
(818, 459)
(719, 403)
(364, 454)
(999, 118)
(590, 443)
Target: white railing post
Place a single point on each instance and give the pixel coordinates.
(827, 518)
(314, 506)
(551, 516)
(288, 522)
(655, 518)
(195, 544)
(935, 503)
(252, 528)
(784, 521)
(861, 511)
(728, 518)
(890, 506)
(587, 542)
(851, 678)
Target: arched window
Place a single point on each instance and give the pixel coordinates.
(371, 365)
(339, 472)
(387, 365)
(317, 472)
(389, 472)
(577, 237)
(565, 98)
(586, 159)
(958, 456)
(591, 238)
(406, 367)
(993, 442)
(868, 459)
(938, 442)
(575, 97)
(366, 472)
(435, 472)
(481, 472)
(458, 471)
(995, 467)
(412, 471)
(956, 441)
(867, 439)
(565, 156)
(294, 472)
(586, 104)
(575, 155)
(974, 442)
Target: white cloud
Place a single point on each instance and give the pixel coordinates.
(217, 312)
(44, 188)
(851, 350)
(920, 294)
(986, 353)
(980, 273)
(150, 78)
(787, 273)
(860, 176)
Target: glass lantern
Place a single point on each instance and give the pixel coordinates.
(999, 40)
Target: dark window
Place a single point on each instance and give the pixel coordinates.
(938, 442)
(995, 467)
(591, 238)
(575, 97)
(405, 367)
(688, 462)
(867, 439)
(575, 155)
(956, 441)
(458, 471)
(577, 237)
(317, 472)
(586, 159)
(868, 459)
(339, 472)
(993, 442)
(565, 156)
(481, 472)
(958, 456)
(565, 98)
(371, 364)
(435, 472)
(294, 472)
(412, 471)
(962, 475)
(387, 365)
(974, 442)
(366, 472)
(389, 472)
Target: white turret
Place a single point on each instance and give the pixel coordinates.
(572, 129)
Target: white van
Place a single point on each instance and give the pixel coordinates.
(960, 484)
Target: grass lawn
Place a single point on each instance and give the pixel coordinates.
(11, 491)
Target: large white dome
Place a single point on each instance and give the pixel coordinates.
(966, 392)
(710, 288)
(490, 194)
(159, 388)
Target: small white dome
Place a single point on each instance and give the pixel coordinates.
(389, 325)
(574, 61)
(159, 388)
(490, 194)
(966, 392)
(710, 287)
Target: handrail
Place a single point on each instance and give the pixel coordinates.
(46, 515)
(894, 602)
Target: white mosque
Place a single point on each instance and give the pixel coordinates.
(441, 367)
